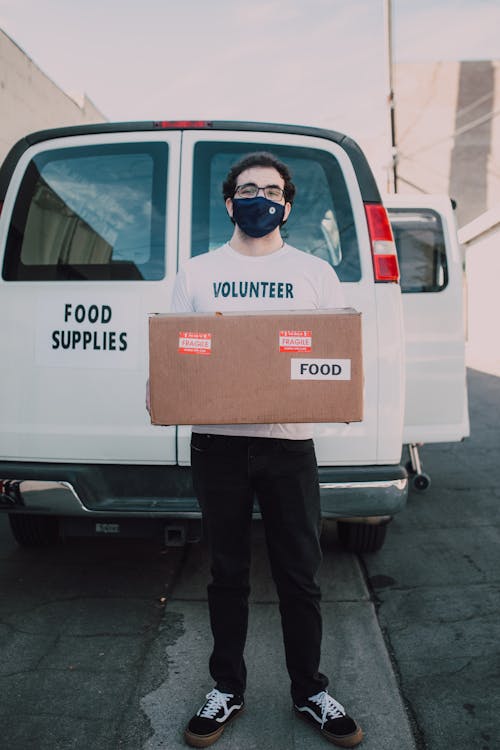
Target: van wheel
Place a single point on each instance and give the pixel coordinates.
(361, 537)
(34, 531)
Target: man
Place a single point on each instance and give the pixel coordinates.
(275, 462)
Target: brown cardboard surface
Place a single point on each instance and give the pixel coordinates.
(230, 369)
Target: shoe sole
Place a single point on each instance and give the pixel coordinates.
(350, 740)
(204, 740)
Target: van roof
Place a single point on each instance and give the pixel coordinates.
(366, 180)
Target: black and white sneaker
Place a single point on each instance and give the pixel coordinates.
(327, 715)
(208, 723)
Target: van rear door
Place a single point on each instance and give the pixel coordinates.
(432, 282)
(328, 220)
(85, 226)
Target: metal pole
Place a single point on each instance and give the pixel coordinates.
(391, 101)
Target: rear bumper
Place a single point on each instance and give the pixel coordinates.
(362, 492)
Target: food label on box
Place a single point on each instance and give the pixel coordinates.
(295, 341)
(193, 342)
(320, 369)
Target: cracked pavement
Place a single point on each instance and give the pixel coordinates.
(437, 586)
(76, 624)
(104, 643)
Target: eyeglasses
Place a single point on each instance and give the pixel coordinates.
(251, 190)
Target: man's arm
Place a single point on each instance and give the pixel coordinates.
(332, 292)
(181, 298)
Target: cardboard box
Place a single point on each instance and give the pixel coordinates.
(301, 366)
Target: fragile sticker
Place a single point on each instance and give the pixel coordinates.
(193, 342)
(295, 341)
(320, 369)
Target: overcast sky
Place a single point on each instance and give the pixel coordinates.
(318, 62)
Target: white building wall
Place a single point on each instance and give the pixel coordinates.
(30, 101)
(481, 239)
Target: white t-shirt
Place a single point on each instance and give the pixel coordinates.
(226, 280)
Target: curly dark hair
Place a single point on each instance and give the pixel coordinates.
(258, 159)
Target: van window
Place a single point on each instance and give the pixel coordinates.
(321, 221)
(420, 245)
(90, 212)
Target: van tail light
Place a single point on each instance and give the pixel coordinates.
(1, 206)
(385, 259)
(181, 124)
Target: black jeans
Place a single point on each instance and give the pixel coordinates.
(228, 472)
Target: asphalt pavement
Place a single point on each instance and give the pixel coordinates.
(104, 643)
(78, 624)
(436, 583)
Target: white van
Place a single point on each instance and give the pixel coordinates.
(96, 220)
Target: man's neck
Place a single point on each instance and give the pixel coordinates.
(255, 246)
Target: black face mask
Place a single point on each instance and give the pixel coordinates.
(258, 216)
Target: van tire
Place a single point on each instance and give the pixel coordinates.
(361, 537)
(34, 531)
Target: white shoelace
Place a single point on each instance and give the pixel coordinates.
(215, 701)
(330, 708)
